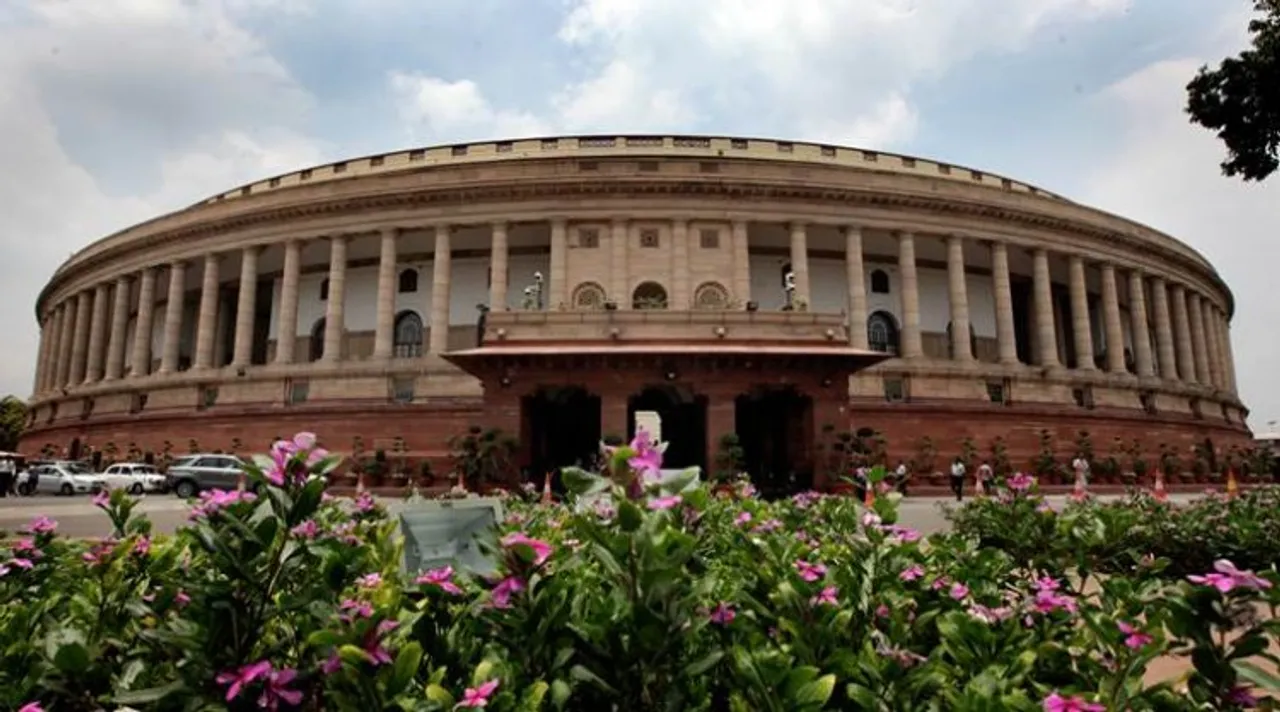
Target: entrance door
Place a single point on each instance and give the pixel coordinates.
(684, 423)
(775, 431)
(562, 429)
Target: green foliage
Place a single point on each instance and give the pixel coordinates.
(1240, 99)
(13, 421)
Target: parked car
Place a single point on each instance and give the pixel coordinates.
(193, 473)
(60, 477)
(135, 477)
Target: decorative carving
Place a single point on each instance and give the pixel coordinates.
(711, 296)
(649, 295)
(587, 296)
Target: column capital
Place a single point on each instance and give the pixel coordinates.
(558, 220)
(389, 232)
(798, 225)
(848, 229)
(903, 234)
(502, 225)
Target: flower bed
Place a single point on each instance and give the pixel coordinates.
(657, 596)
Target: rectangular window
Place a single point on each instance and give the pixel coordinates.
(459, 150)
(1083, 396)
(340, 167)
(1148, 401)
(376, 161)
(588, 237)
(895, 389)
(402, 389)
(208, 397)
(995, 391)
(649, 237)
(417, 154)
(296, 391)
(709, 239)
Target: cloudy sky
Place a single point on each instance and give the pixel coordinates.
(114, 110)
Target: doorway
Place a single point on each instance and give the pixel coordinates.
(684, 423)
(562, 429)
(775, 430)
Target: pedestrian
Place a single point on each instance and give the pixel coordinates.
(900, 477)
(7, 474)
(984, 477)
(958, 472)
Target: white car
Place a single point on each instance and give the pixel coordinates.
(60, 478)
(135, 477)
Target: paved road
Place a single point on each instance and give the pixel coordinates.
(78, 517)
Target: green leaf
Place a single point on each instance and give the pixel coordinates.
(817, 692)
(406, 667)
(560, 692)
(149, 695)
(581, 674)
(1257, 676)
(581, 482)
(629, 516)
(701, 666)
(440, 696)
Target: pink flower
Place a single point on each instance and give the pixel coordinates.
(767, 526)
(1134, 638)
(988, 615)
(1242, 696)
(722, 614)
(356, 609)
(41, 525)
(102, 499)
(332, 664)
(1020, 482)
(24, 546)
(142, 547)
(374, 651)
(1227, 577)
(661, 503)
(21, 563)
(742, 518)
(882, 611)
(1048, 601)
(810, 572)
(181, 598)
(440, 578)
(236, 681)
(31, 707)
(541, 549)
(911, 573)
(1058, 703)
(372, 580)
(506, 588)
(827, 597)
(959, 591)
(647, 460)
(901, 535)
(306, 530)
(478, 696)
(4, 570)
(276, 690)
(365, 503)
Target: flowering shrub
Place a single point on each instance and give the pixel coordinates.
(640, 593)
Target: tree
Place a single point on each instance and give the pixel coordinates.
(1240, 99)
(13, 420)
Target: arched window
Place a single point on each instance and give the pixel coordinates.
(407, 336)
(588, 296)
(324, 290)
(882, 333)
(711, 296)
(973, 342)
(408, 281)
(649, 295)
(879, 282)
(316, 350)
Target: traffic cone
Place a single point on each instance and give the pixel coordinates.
(1233, 487)
(1159, 493)
(869, 499)
(546, 489)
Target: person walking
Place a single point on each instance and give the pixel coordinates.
(900, 478)
(958, 472)
(984, 477)
(7, 475)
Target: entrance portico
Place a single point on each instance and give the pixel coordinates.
(777, 394)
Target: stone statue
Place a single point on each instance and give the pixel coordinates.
(789, 288)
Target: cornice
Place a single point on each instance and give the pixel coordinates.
(276, 212)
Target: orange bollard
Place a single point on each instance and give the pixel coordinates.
(546, 489)
(1159, 493)
(1233, 487)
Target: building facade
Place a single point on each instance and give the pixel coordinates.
(558, 285)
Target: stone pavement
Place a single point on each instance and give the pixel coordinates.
(79, 518)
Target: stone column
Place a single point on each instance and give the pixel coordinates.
(856, 280)
(119, 324)
(1006, 336)
(287, 324)
(1046, 337)
(55, 350)
(498, 268)
(80, 347)
(42, 354)
(441, 280)
(800, 263)
(1081, 327)
(958, 296)
(1200, 352)
(681, 290)
(1219, 357)
(618, 282)
(557, 292)
(335, 306)
(1138, 324)
(1111, 319)
(1229, 354)
(1186, 359)
(741, 262)
(1164, 330)
(207, 317)
(912, 347)
(1199, 347)
(142, 327)
(97, 334)
(71, 313)
(388, 280)
(246, 308)
(173, 318)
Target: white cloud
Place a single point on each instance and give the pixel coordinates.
(456, 111)
(175, 90)
(1166, 176)
(836, 71)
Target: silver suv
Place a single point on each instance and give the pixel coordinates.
(193, 473)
